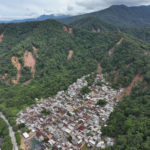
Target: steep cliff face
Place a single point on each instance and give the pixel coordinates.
(30, 61)
(128, 90)
(17, 65)
(69, 30)
(98, 30)
(111, 51)
(1, 37)
(99, 68)
(71, 52)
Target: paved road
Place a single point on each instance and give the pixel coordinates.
(11, 132)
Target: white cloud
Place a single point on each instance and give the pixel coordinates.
(18, 9)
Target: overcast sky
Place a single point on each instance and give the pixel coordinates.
(19, 9)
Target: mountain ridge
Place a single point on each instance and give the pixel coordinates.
(40, 18)
(120, 15)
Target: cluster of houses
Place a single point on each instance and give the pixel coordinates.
(68, 121)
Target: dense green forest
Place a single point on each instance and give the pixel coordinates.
(130, 122)
(7, 145)
(54, 72)
(93, 24)
(119, 15)
(141, 33)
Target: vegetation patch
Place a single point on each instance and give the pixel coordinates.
(45, 112)
(85, 90)
(90, 134)
(85, 147)
(100, 83)
(69, 138)
(7, 144)
(101, 102)
(131, 121)
(69, 114)
(90, 79)
(18, 138)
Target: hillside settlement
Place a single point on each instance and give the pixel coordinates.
(69, 120)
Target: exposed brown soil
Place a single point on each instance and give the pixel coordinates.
(119, 30)
(16, 63)
(27, 82)
(120, 41)
(99, 69)
(116, 79)
(65, 28)
(93, 30)
(35, 51)
(25, 143)
(98, 30)
(4, 76)
(128, 90)
(111, 51)
(71, 52)
(1, 37)
(70, 30)
(30, 61)
(7, 82)
(22, 145)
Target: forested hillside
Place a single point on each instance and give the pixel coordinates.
(141, 33)
(129, 123)
(35, 60)
(38, 59)
(93, 24)
(119, 15)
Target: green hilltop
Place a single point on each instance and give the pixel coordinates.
(120, 15)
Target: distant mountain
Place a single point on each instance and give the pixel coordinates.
(93, 24)
(40, 18)
(120, 15)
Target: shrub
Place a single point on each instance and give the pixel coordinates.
(85, 90)
(101, 102)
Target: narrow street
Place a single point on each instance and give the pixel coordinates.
(11, 132)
